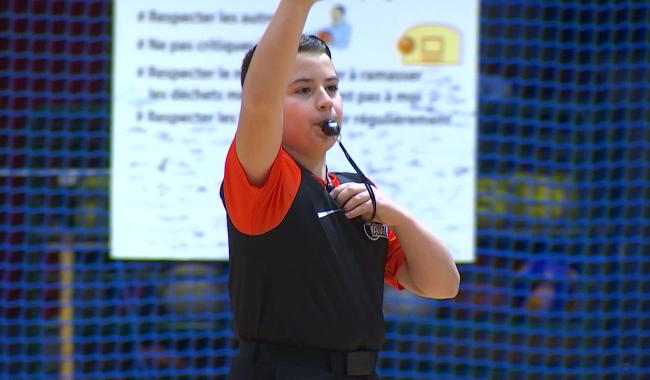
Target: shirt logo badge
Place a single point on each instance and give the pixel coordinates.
(374, 231)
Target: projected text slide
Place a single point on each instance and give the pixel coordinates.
(408, 79)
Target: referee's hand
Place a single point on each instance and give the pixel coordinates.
(355, 201)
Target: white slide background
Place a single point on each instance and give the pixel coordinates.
(411, 127)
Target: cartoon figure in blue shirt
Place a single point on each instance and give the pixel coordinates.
(337, 34)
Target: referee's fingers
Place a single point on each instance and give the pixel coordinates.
(342, 193)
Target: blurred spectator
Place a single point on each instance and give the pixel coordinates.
(548, 286)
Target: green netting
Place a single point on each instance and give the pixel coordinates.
(560, 286)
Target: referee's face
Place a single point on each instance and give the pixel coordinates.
(312, 96)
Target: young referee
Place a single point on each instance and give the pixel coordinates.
(310, 250)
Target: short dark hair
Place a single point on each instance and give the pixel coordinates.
(308, 44)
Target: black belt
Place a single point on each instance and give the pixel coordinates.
(349, 363)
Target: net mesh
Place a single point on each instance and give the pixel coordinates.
(559, 288)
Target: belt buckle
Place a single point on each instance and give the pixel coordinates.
(359, 363)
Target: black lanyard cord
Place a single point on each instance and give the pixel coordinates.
(331, 127)
(365, 180)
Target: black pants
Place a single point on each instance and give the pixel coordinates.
(261, 361)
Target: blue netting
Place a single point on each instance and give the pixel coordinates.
(559, 288)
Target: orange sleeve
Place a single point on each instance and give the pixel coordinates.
(394, 260)
(255, 210)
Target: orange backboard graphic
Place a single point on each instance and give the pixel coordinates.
(430, 44)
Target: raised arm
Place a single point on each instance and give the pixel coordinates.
(259, 132)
